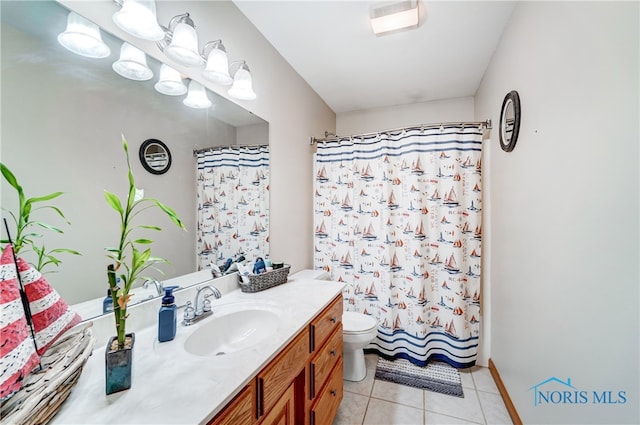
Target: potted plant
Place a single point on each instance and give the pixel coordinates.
(129, 261)
(25, 235)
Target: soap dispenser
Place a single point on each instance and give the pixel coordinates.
(167, 321)
(107, 303)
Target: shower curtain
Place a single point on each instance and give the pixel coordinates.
(398, 220)
(233, 204)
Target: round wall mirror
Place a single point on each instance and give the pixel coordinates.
(510, 121)
(155, 156)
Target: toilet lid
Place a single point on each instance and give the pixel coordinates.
(353, 322)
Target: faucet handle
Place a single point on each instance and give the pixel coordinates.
(206, 305)
(189, 313)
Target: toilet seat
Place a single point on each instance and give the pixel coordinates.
(357, 323)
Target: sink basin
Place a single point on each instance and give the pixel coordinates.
(231, 330)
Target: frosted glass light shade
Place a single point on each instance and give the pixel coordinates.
(217, 69)
(242, 88)
(138, 18)
(197, 96)
(170, 82)
(83, 37)
(184, 46)
(132, 64)
(394, 17)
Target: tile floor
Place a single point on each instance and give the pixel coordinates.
(372, 401)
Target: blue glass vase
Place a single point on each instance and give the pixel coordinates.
(118, 365)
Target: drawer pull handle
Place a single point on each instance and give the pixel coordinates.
(334, 393)
(333, 352)
(334, 319)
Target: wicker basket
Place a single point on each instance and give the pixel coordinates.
(43, 392)
(260, 282)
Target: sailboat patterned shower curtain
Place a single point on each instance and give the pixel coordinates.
(233, 204)
(398, 220)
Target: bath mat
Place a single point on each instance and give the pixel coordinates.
(438, 377)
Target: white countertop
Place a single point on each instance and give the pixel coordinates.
(172, 386)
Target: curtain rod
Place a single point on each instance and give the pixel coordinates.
(217, 148)
(330, 136)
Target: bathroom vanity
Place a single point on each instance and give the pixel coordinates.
(292, 376)
(302, 385)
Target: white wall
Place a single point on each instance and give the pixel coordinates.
(563, 222)
(371, 120)
(257, 134)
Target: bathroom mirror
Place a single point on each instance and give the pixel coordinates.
(63, 118)
(510, 121)
(155, 156)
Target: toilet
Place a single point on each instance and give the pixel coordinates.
(358, 331)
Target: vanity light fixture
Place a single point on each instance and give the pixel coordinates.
(83, 37)
(180, 43)
(390, 18)
(132, 64)
(217, 68)
(138, 18)
(242, 88)
(170, 82)
(197, 97)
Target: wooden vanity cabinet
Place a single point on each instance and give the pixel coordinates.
(322, 364)
(301, 385)
(325, 323)
(281, 374)
(325, 365)
(325, 407)
(283, 413)
(240, 410)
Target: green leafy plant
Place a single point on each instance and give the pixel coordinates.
(129, 260)
(25, 238)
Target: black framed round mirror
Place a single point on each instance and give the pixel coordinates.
(155, 156)
(510, 121)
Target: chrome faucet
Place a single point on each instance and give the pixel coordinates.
(157, 284)
(206, 304)
(198, 311)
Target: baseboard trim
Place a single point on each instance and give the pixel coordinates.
(511, 409)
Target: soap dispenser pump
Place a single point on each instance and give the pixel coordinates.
(167, 317)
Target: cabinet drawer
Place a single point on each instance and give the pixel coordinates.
(274, 379)
(322, 326)
(326, 406)
(324, 361)
(240, 410)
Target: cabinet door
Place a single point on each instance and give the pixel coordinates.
(283, 413)
(240, 411)
(274, 379)
(324, 409)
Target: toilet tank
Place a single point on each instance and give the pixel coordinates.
(311, 274)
